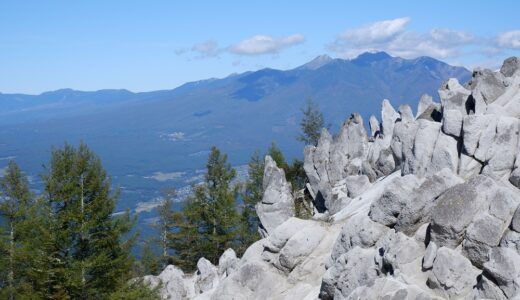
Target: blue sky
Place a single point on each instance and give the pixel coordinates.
(150, 45)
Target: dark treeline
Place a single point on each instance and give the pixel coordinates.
(68, 243)
(65, 243)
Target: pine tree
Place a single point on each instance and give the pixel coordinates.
(219, 206)
(16, 210)
(208, 223)
(88, 257)
(311, 124)
(165, 226)
(150, 263)
(186, 240)
(277, 155)
(251, 195)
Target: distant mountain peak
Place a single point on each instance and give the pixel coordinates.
(372, 56)
(317, 62)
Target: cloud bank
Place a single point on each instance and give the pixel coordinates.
(256, 45)
(393, 37)
(509, 40)
(264, 44)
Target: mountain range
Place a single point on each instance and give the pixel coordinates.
(149, 140)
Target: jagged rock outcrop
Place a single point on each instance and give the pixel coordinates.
(277, 204)
(171, 282)
(425, 207)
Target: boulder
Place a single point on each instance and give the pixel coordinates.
(207, 276)
(358, 231)
(510, 66)
(468, 166)
(405, 113)
(490, 224)
(356, 185)
(350, 144)
(508, 104)
(455, 210)
(385, 164)
(487, 86)
(227, 263)
(445, 155)
(277, 203)
(418, 211)
(279, 237)
(402, 141)
(511, 239)
(386, 209)
(352, 269)
(389, 116)
(500, 155)
(452, 122)
(171, 282)
(374, 126)
(395, 251)
(300, 246)
(429, 256)
(504, 268)
(453, 96)
(486, 289)
(472, 129)
(515, 177)
(391, 288)
(419, 159)
(515, 222)
(424, 103)
(452, 274)
(316, 167)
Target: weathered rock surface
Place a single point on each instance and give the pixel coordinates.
(227, 263)
(171, 282)
(207, 275)
(426, 207)
(277, 204)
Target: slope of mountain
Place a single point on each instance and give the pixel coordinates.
(140, 134)
(421, 208)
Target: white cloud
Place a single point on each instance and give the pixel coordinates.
(264, 44)
(206, 49)
(376, 32)
(393, 36)
(510, 39)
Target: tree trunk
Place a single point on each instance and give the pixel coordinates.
(11, 263)
(83, 280)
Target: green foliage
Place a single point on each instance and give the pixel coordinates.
(135, 291)
(165, 226)
(17, 231)
(311, 124)
(88, 257)
(149, 260)
(186, 239)
(66, 244)
(251, 194)
(294, 173)
(277, 155)
(208, 223)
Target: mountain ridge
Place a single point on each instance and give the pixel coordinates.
(139, 134)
